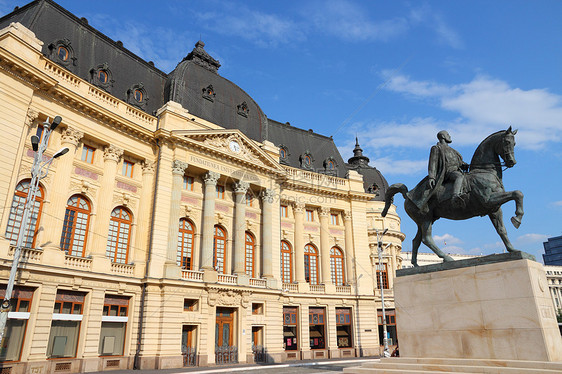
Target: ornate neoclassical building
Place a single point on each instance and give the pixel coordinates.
(183, 227)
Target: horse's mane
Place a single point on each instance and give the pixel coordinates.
(484, 142)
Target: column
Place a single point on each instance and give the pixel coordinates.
(145, 205)
(210, 190)
(61, 184)
(298, 211)
(349, 250)
(240, 189)
(324, 214)
(267, 233)
(178, 171)
(111, 156)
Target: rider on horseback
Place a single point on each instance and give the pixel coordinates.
(446, 165)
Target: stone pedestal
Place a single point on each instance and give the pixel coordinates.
(483, 310)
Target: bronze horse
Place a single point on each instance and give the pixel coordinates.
(483, 194)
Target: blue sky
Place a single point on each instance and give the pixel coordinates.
(393, 73)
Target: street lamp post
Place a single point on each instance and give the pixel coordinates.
(39, 170)
(380, 250)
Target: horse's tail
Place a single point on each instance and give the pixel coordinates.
(389, 196)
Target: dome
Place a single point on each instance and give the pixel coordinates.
(196, 85)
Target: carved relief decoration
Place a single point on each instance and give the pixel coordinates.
(31, 116)
(211, 177)
(148, 167)
(223, 143)
(112, 153)
(241, 187)
(179, 167)
(268, 195)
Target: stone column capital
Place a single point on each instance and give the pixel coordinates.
(211, 178)
(347, 215)
(148, 167)
(268, 195)
(240, 187)
(298, 207)
(112, 153)
(324, 211)
(71, 136)
(31, 116)
(178, 167)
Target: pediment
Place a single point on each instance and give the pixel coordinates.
(233, 144)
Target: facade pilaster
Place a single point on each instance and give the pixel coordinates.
(267, 232)
(240, 189)
(210, 184)
(111, 157)
(349, 250)
(145, 205)
(178, 171)
(59, 190)
(324, 214)
(298, 211)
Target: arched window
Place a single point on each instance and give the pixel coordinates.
(286, 262)
(219, 247)
(310, 264)
(185, 244)
(119, 234)
(336, 266)
(250, 254)
(16, 213)
(75, 229)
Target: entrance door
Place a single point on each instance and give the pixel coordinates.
(188, 349)
(225, 349)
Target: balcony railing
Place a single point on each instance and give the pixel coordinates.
(192, 275)
(343, 289)
(78, 262)
(227, 278)
(29, 255)
(290, 287)
(387, 292)
(257, 282)
(122, 269)
(317, 288)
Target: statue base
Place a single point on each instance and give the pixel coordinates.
(481, 310)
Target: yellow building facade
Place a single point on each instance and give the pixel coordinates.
(164, 239)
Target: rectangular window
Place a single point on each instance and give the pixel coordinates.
(220, 192)
(190, 305)
(284, 211)
(382, 270)
(310, 215)
(390, 315)
(344, 332)
(257, 308)
(317, 327)
(65, 327)
(188, 183)
(128, 168)
(113, 325)
(88, 154)
(335, 219)
(290, 324)
(18, 315)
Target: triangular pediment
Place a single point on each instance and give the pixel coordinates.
(232, 144)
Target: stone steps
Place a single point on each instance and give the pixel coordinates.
(457, 366)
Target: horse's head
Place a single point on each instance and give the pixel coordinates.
(506, 151)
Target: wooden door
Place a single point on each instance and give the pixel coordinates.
(224, 327)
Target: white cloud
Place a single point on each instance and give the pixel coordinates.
(449, 239)
(485, 105)
(531, 238)
(557, 204)
(388, 166)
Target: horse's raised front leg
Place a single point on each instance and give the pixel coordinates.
(415, 245)
(427, 239)
(497, 221)
(500, 198)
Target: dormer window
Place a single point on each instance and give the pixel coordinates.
(209, 93)
(283, 155)
(137, 96)
(101, 76)
(61, 52)
(243, 109)
(306, 160)
(330, 166)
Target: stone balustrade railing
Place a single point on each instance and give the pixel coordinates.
(192, 275)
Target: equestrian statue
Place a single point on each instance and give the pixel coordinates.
(455, 190)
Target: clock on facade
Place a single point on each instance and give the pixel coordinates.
(234, 146)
